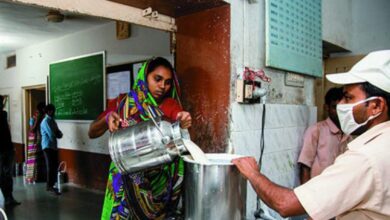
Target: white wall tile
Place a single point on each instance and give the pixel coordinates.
(246, 143)
(284, 129)
(246, 117)
(274, 116)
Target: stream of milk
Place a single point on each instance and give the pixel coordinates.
(197, 154)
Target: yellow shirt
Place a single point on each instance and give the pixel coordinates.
(357, 185)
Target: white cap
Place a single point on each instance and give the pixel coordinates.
(373, 68)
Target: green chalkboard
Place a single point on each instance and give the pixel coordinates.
(77, 87)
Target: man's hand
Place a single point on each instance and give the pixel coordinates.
(247, 166)
(113, 121)
(279, 198)
(185, 119)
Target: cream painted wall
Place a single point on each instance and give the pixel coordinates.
(337, 22)
(248, 49)
(33, 68)
(360, 26)
(370, 26)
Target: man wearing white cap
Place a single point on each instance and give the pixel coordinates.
(357, 185)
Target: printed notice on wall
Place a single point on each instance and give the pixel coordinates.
(117, 83)
(294, 36)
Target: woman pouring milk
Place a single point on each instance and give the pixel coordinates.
(151, 194)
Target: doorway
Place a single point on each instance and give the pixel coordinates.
(32, 97)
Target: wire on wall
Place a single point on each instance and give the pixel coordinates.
(259, 213)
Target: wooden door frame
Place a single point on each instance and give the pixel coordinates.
(27, 112)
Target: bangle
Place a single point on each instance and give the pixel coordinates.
(107, 116)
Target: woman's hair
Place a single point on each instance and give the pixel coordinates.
(41, 107)
(50, 107)
(156, 62)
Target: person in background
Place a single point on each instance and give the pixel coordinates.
(155, 193)
(323, 141)
(7, 155)
(34, 142)
(357, 185)
(50, 132)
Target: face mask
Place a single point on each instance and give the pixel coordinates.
(347, 121)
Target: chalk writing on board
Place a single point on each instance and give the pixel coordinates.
(77, 87)
(83, 82)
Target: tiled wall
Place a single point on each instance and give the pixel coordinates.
(284, 128)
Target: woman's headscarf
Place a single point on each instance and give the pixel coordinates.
(139, 104)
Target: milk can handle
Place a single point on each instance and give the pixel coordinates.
(165, 139)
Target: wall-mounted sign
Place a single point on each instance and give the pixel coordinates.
(294, 36)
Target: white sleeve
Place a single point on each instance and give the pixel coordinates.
(338, 188)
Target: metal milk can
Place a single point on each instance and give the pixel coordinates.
(214, 191)
(146, 144)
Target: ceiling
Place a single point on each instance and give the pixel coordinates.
(173, 8)
(22, 25)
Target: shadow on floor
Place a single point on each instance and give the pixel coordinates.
(74, 203)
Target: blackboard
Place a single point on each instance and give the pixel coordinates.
(77, 87)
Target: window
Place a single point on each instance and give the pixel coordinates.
(11, 61)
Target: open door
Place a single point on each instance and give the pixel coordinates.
(33, 96)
